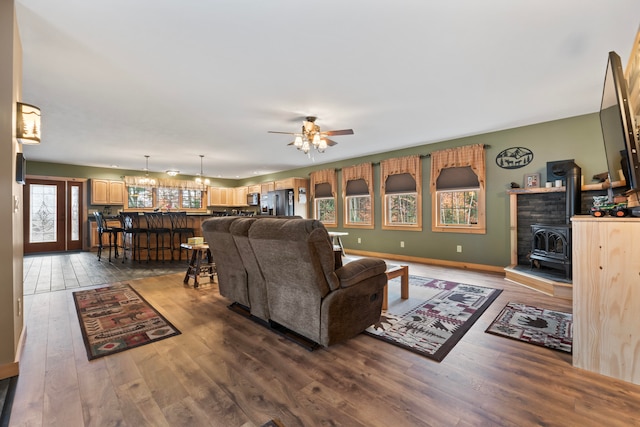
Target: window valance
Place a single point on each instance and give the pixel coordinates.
(400, 165)
(469, 155)
(362, 172)
(142, 181)
(325, 176)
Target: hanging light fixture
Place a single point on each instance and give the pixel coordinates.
(200, 179)
(147, 180)
(311, 138)
(28, 124)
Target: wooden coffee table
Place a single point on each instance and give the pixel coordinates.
(401, 271)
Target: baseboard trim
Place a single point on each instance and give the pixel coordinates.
(429, 261)
(9, 370)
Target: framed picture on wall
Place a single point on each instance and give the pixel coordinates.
(532, 180)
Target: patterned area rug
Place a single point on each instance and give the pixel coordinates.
(116, 318)
(539, 326)
(434, 318)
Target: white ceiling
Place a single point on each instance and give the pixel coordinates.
(120, 79)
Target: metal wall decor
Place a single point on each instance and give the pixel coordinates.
(514, 158)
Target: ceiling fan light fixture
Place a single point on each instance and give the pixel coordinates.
(322, 145)
(298, 142)
(316, 140)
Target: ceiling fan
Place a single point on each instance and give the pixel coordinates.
(312, 137)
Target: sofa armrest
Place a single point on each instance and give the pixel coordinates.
(358, 270)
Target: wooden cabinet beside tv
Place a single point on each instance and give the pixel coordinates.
(606, 296)
(107, 192)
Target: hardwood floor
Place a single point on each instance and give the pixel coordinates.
(225, 370)
(46, 273)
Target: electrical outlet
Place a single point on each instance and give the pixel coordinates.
(402, 243)
(359, 240)
(459, 248)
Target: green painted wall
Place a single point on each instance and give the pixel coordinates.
(576, 138)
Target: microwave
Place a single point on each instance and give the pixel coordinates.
(253, 199)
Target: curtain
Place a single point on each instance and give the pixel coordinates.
(400, 165)
(469, 155)
(363, 171)
(323, 176)
(142, 181)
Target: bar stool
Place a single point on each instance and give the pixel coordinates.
(180, 226)
(156, 227)
(131, 231)
(103, 228)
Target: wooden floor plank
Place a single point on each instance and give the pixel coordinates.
(225, 370)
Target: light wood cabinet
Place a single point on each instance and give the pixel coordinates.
(265, 187)
(93, 234)
(219, 196)
(240, 196)
(285, 184)
(107, 192)
(254, 189)
(606, 296)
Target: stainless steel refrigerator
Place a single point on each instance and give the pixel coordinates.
(281, 202)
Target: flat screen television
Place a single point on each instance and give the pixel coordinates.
(618, 127)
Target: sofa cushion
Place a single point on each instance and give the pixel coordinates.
(360, 269)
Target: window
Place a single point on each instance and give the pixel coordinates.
(458, 207)
(140, 198)
(326, 210)
(402, 208)
(457, 187)
(323, 191)
(164, 194)
(168, 198)
(357, 191)
(401, 192)
(191, 199)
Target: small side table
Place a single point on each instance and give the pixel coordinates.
(403, 272)
(336, 240)
(201, 263)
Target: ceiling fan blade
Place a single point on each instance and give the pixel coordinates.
(330, 142)
(291, 143)
(286, 133)
(338, 132)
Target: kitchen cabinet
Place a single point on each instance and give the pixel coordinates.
(107, 192)
(240, 196)
(265, 187)
(285, 184)
(93, 233)
(254, 189)
(220, 196)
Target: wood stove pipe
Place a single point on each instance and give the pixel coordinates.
(572, 174)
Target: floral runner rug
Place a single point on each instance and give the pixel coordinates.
(116, 318)
(435, 317)
(539, 326)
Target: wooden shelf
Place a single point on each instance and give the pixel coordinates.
(603, 185)
(536, 190)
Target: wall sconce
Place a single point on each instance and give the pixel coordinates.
(28, 124)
